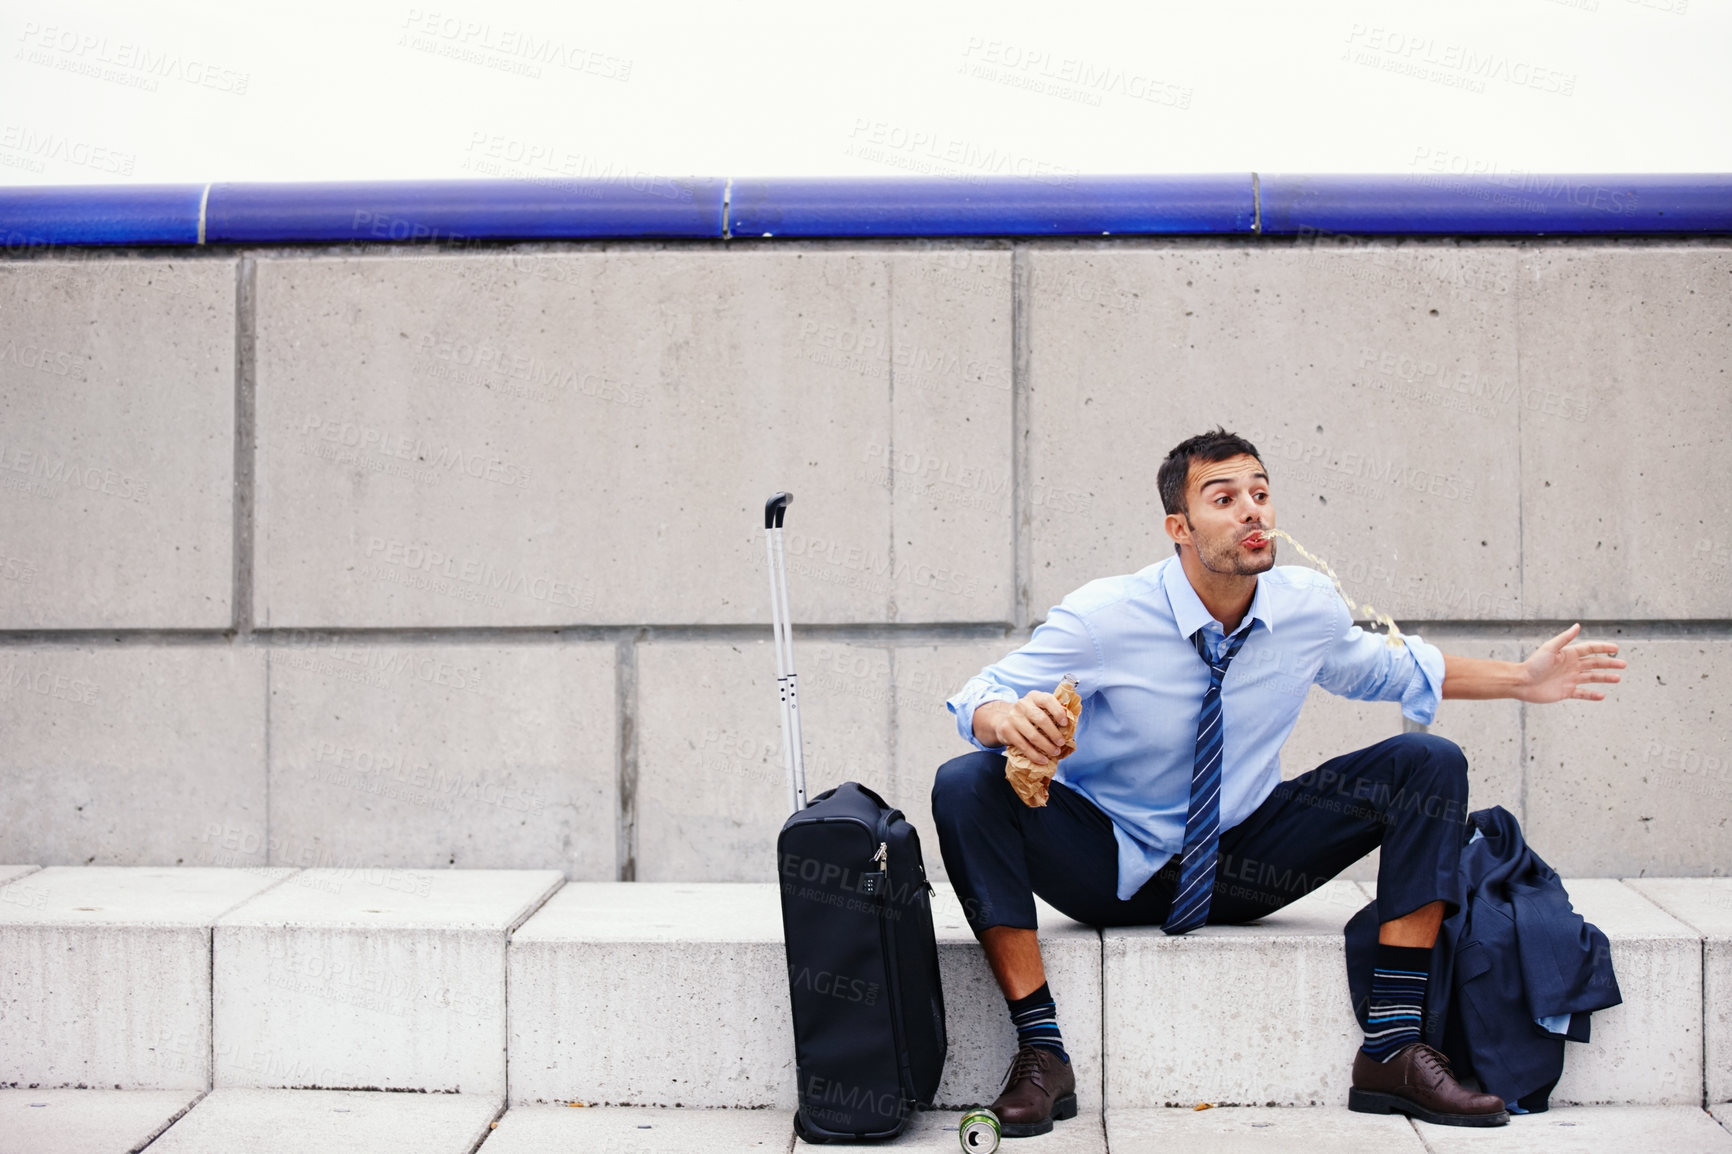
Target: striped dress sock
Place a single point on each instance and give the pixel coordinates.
(1397, 1005)
(1036, 1020)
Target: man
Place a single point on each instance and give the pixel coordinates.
(1192, 672)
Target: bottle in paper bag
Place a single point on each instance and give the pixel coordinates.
(1033, 782)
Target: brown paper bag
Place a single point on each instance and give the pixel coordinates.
(1033, 782)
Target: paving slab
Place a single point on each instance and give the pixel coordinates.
(87, 1121)
(666, 993)
(440, 486)
(117, 456)
(711, 792)
(371, 978)
(1189, 1019)
(1255, 1130)
(934, 1132)
(1722, 1113)
(982, 1040)
(1647, 1051)
(1623, 387)
(653, 994)
(494, 756)
(563, 1129)
(106, 981)
(129, 754)
(1588, 1130)
(922, 678)
(1640, 783)
(298, 1121)
(1705, 905)
(1377, 379)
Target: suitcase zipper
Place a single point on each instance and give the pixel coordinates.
(892, 976)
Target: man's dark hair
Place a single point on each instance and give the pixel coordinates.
(1216, 445)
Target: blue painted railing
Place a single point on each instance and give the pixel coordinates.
(1515, 204)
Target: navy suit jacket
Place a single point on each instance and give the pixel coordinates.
(1515, 952)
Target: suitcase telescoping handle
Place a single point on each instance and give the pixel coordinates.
(787, 681)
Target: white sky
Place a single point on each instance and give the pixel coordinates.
(359, 89)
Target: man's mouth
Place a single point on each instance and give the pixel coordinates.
(1255, 539)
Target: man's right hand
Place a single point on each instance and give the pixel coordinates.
(1035, 727)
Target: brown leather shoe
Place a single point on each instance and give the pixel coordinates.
(1039, 1087)
(1417, 1081)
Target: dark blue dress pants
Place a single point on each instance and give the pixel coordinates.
(1407, 794)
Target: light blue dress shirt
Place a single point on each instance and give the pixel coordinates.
(1127, 642)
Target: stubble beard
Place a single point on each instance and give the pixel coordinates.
(1223, 556)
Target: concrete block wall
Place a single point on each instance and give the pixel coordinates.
(415, 557)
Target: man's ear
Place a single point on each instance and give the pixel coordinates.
(1179, 528)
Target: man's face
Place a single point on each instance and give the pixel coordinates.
(1228, 510)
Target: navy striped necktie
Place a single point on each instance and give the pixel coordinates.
(1190, 907)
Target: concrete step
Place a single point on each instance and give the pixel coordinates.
(1246, 1128)
(657, 994)
(105, 973)
(1250, 1015)
(363, 979)
(231, 1120)
(641, 1130)
(1239, 1015)
(1561, 1130)
(303, 1122)
(676, 994)
(1647, 1051)
(934, 1132)
(1705, 905)
(87, 1121)
(1589, 1130)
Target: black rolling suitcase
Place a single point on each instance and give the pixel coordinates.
(869, 1040)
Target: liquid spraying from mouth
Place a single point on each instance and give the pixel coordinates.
(1394, 637)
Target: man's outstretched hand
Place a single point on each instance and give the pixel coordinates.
(1558, 671)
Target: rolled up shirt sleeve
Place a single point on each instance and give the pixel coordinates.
(1365, 667)
(1061, 644)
